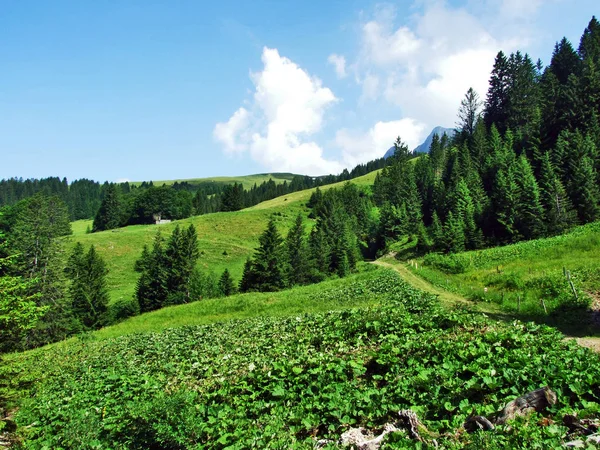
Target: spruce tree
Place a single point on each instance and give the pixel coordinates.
(110, 212)
(529, 208)
(152, 286)
(585, 193)
(226, 285)
(297, 254)
(505, 197)
(436, 231)
(496, 105)
(88, 290)
(319, 252)
(468, 113)
(454, 233)
(181, 253)
(268, 260)
(248, 281)
(558, 211)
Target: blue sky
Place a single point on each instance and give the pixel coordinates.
(141, 90)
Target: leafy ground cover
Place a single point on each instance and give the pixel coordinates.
(225, 239)
(518, 277)
(282, 382)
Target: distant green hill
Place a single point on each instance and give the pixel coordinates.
(225, 239)
(246, 180)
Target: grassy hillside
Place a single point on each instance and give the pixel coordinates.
(246, 180)
(290, 380)
(517, 277)
(226, 239)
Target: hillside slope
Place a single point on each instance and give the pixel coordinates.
(286, 382)
(247, 181)
(225, 239)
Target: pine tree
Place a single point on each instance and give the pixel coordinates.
(182, 254)
(529, 208)
(585, 194)
(297, 254)
(19, 310)
(248, 281)
(109, 215)
(319, 252)
(226, 285)
(152, 286)
(496, 105)
(88, 291)
(468, 113)
(558, 211)
(589, 45)
(268, 260)
(505, 199)
(436, 231)
(565, 61)
(454, 233)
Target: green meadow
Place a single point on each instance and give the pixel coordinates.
(529, 279)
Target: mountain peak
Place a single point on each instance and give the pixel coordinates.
(424, 147)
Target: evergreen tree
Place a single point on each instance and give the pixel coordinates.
(565, 61)
(496, 106)
(152, 286)
(267, 265)
(436, 231)
(19, 309)
(558, 211)
(468, 113)
(585, 194)
(181, 253)
(454, 233)
(297, 254)
(226, 285)
(88, 290)
(589, 45)
(505, 197)
(248, 282)
(529, 208)
(109, 216)
(319, 253)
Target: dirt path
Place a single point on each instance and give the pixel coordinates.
(450, 299)
(447, 298)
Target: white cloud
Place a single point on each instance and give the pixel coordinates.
(362, 147)
(383, 46)
(520, 8)
(429, 64)
(288, 108)
(370, 88)
(339, 63)
(229, 133)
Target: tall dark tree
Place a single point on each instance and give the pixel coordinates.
(88, 291)
(181, 253)
(226, 285)
(558, 211)
(297, 254)
(565, 61)
(496, 105)
(266, 272)
(529, 208)
(109, 216)
(589, 45)
(468, 113)
(152, 286)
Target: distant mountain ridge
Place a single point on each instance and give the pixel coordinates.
(424, 147)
